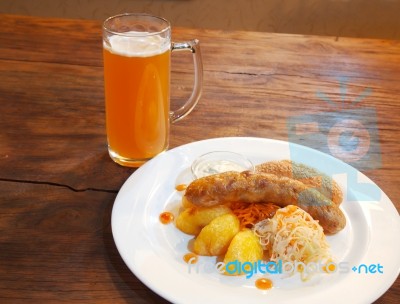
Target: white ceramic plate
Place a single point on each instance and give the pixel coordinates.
(154, 252)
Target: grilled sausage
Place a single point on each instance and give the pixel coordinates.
(307, 175)
(255, 187)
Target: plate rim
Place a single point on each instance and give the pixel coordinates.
(148, 165)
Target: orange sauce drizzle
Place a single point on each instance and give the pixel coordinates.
(264, 283)
(190, 258)
(166, 217)
(330, 268)
(181, 187)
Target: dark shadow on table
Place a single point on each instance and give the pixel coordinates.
(129, 286)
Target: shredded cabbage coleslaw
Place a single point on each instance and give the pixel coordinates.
(293, 235)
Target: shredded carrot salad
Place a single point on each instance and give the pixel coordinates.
(250, 214)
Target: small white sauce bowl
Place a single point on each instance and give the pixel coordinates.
(218, 162)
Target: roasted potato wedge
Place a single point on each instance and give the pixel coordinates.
(191, 220)
(214, 238)
(244, 247)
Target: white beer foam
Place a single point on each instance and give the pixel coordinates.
(135, 44)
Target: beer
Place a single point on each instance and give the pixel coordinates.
(137, 78)
(137, 65)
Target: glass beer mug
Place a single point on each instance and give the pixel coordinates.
(137, 67)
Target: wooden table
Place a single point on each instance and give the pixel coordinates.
(58, 184)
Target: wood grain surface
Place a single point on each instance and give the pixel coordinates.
(58, 184)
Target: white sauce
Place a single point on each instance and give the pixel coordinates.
(217, 166)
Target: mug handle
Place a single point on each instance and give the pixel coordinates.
(194, 47)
